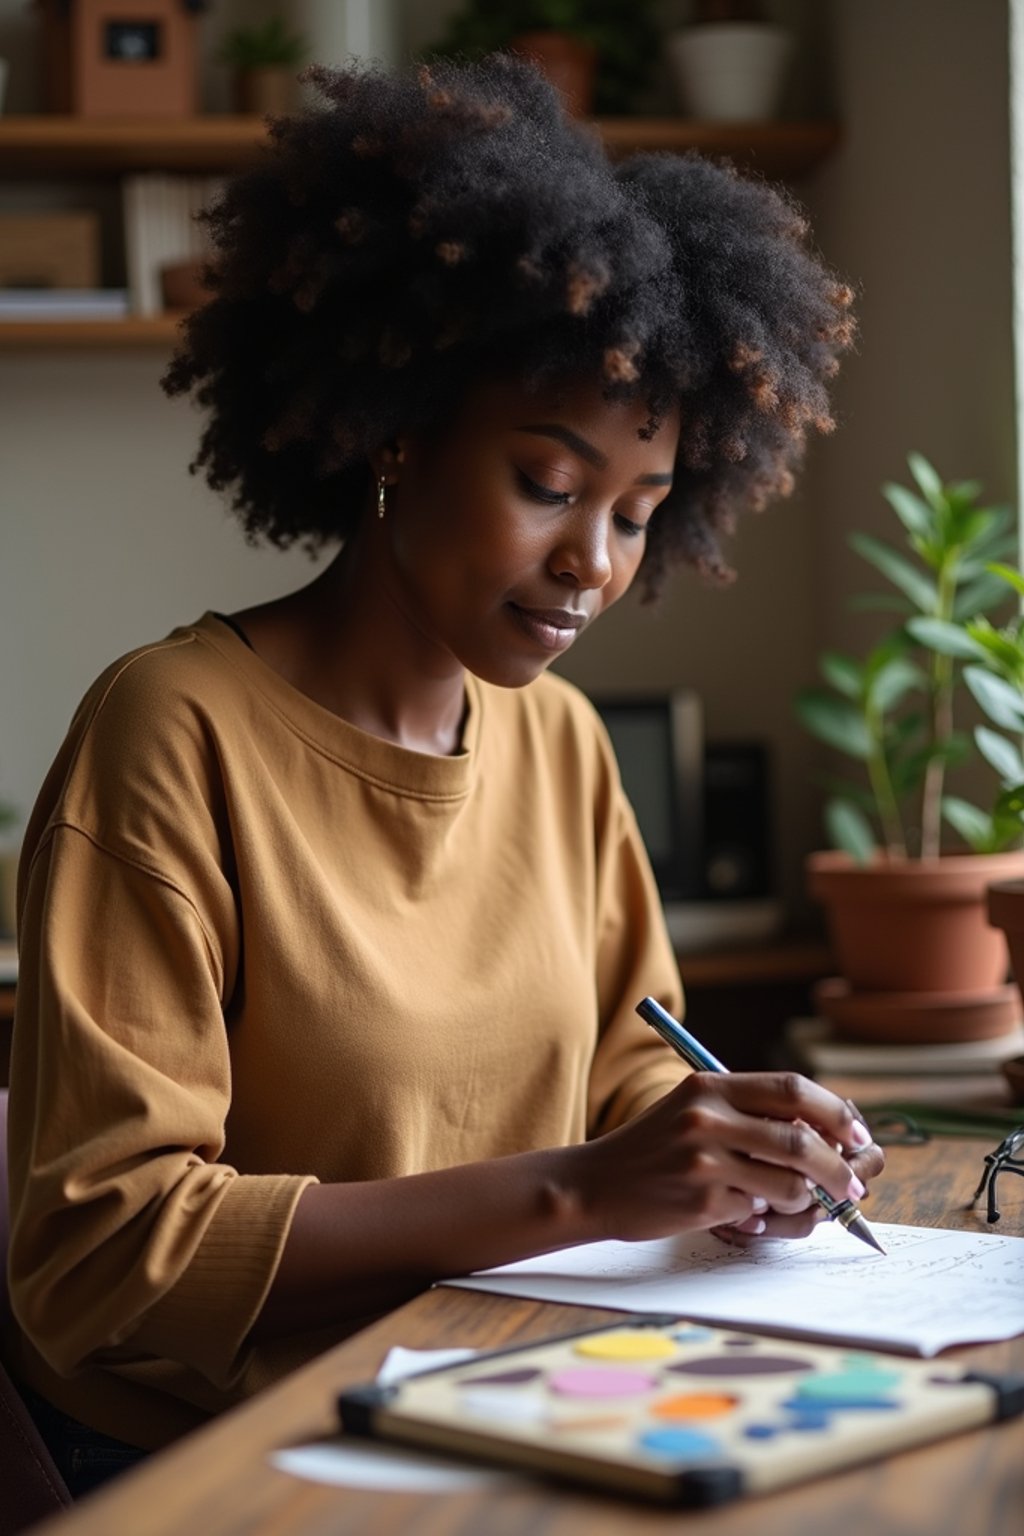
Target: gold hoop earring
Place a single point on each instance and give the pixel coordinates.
(381, 491)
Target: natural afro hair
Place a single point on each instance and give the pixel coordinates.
(421, 230)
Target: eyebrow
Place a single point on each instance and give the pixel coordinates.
(585, 450)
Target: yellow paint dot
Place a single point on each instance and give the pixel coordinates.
(694, 1405)
(626, 1344)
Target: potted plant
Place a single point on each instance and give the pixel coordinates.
(730, 63)
(264, 58)
(598, 53)
(907, 915)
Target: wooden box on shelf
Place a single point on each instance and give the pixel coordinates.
(102, 58)
(49, 250)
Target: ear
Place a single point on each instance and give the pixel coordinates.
(388, 460)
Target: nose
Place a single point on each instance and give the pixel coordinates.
(582, 555)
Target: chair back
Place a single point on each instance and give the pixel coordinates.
(32, 1486)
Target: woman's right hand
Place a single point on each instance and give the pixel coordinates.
(737, 1150)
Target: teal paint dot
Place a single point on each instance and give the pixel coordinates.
(693, 1335)
(856, 1382)
(678, 1442)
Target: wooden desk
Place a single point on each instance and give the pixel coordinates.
(218, 1480)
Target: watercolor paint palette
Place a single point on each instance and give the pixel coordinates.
(678, 1412)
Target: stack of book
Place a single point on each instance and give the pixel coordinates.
(160, 230)
(816, 1048)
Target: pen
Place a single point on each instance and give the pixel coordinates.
(672, 1032)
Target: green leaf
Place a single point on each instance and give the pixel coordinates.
(995, 646)
(834, 721)
(986, 591)
(839, 789)
(915, 515)
(948, 639)
(907, 772)
(961, 493)
(1011, 802)
(843, 673)
(912, 582)
(1010, 575)
(972, 824)
(927, 477)
(972, 526)
(1004, 757)
(849, 830)
(893, 682)
(999, 699)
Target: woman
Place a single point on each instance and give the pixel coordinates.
(333, 914)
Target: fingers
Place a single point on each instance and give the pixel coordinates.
(743, 1235)
(788, 1152)
(789, 1096)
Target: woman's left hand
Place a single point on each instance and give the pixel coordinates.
(866, 1164)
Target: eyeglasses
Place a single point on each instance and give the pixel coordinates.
(1008, 1157)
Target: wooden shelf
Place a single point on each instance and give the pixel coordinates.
(74, 146)
(133, 333)
(796, 960)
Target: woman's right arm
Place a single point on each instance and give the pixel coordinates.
(714, 1151)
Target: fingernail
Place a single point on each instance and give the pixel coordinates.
(757, 1227)
(759, 1203)
(855, 1190)
(860, 1135)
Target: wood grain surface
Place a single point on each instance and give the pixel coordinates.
(219, 1482)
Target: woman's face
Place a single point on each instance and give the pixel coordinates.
(520, 523)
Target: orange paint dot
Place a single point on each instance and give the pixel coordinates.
(694, 1405)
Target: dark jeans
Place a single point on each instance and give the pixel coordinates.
(83, 1456)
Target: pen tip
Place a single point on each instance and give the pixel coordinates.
(860, 1228)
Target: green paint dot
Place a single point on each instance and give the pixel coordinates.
(856, 1381)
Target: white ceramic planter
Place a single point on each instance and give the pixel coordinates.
(732, 72)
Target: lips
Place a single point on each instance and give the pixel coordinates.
(552, 628)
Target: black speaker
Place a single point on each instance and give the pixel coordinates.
(736, 855)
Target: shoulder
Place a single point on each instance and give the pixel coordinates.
(143, 734)
(154, 685)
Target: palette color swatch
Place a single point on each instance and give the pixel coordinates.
(680, 1413)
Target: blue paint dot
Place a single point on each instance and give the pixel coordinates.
(809, 1421)
(693, 1335)
(672, 1441)
(761, 1431)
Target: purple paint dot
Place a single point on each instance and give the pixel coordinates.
(503, 1378)
(740, 1365)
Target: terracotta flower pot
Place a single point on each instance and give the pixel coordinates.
(269, 90)
(569, 63)
(1005, 903)
(914, 925)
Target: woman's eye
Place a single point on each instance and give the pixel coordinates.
(629, 528)
(541, 492)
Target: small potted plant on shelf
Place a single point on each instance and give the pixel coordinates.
(264, 58)
(598, 53)
(730, 63)
(907, 917)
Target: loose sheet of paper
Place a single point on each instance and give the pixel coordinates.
(349, 1463)
(931, 1289)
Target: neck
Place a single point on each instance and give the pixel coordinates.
(344, 642)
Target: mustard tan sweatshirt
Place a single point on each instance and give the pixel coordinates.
(261, 948)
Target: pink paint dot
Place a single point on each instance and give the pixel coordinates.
(592, 1381)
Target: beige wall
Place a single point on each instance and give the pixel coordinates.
(106, 541)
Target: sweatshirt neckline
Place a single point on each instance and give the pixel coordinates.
(400, 769)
